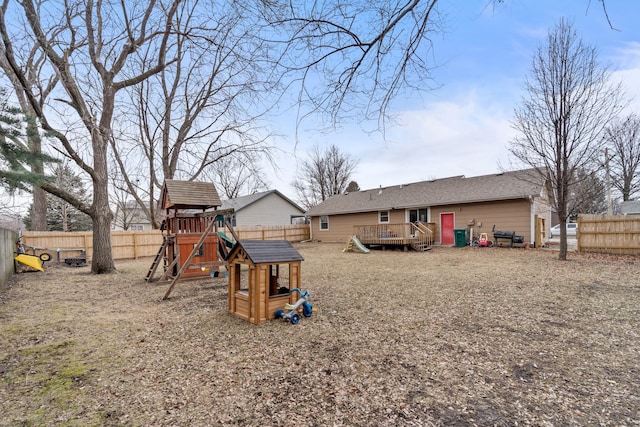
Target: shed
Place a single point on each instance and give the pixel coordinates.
(261, 276)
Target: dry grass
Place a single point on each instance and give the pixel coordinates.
(473, 336)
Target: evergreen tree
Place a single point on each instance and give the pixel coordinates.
(16, 160)
(61, 215)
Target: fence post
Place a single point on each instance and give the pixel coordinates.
(135, 246)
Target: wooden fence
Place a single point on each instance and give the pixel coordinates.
(613, 234)
(138, 244)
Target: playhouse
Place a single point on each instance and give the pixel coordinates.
(192, 245)
(261, 274)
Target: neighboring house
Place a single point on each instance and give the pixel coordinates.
(630, 207)
(129, 216)
(265, 208)
(511, 201)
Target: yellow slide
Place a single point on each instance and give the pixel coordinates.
(30, 260)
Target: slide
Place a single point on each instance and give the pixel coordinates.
(226, 239)
(30, 260)
(359, 246)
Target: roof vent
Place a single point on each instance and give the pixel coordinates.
(380, 190)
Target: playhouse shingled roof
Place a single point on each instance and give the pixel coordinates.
(437, 192)
(268, 251)
(189, 195)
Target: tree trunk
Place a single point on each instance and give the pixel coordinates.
(102, 261)
(39, 210)
(40, 205)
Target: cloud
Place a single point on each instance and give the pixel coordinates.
(628, 72)
(465, 137)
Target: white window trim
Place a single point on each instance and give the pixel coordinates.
(380, 219)
(320, 223)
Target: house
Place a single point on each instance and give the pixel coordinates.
(514, 201)
(265, 209)
(630, 207)
(130, 216)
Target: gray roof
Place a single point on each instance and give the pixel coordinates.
(630, 207)
(268, 251)
(438, 192)
(242, 202)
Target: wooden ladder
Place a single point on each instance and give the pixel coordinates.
(159, 257)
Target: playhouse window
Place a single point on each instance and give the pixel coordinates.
(324, 222)
(279, 279)
(384, 217)
(242, 278)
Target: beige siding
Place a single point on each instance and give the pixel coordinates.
(511, 215)
(270, 210)
(341, 226)
(542, 208)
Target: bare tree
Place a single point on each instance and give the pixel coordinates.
(237, 175)
(353, 186)
(42, 85)
(92, 56)
(204, 107)
(623, 139)
(587, 195)
(324, 174)
(356, 57)
(360, 54)
(570, 100)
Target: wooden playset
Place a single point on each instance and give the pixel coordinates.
(192, 244)
(261, 275)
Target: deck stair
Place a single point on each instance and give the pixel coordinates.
(421, 246)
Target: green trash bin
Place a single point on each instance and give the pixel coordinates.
(460, 237)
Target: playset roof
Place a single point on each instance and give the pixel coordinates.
(189, 195)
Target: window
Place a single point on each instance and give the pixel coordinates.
(418, 215)
(200, 251)
(383, 218)
(324, 222)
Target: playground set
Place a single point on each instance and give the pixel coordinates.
(193, 241)
(263, 275)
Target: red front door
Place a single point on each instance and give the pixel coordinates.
(446, 229)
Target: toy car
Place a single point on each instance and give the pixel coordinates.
(292, 311)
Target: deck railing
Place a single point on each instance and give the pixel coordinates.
(417, 235)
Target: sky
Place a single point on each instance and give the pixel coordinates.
(464, 126)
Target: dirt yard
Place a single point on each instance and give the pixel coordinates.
(450, 337)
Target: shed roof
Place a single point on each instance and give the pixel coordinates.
(438, 192)
(267, 251)
(242, 202)
(189, 195)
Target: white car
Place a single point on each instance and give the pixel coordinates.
(572, 228)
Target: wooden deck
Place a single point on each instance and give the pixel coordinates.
(405, 235)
